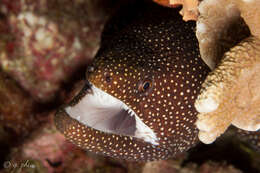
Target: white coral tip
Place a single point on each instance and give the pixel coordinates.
(207, 138)
(202, 125)
(206, 105)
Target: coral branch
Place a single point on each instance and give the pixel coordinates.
(230, 94)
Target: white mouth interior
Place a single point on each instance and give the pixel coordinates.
(106, 113)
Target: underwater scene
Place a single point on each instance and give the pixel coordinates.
(130, 86)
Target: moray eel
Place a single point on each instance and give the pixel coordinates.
(138, 101)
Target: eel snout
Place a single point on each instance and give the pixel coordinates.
(63, 121)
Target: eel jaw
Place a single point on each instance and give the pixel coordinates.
(101, 111)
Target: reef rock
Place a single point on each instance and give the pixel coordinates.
(44, 42)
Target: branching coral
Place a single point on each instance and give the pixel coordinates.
(189, 10)
(189, 7)
(230, 94)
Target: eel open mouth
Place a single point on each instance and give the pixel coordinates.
(101, 111)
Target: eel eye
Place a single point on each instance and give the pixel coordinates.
(144, 86)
